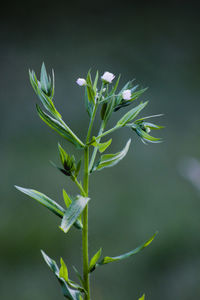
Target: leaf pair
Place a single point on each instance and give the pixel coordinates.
(110, 160)
(70, 216)
(70, 290)
(45, 91)
(107, 259)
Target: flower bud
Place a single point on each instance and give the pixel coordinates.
(126, 95)
(81, 81)
(107, 77)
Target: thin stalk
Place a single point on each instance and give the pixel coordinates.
(85, 227)
(86, 278)
(108, 132)
(95, 149)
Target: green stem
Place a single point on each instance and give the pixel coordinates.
(86, 278)
(85, 228)
(79, 185)
(95, 149)
(108, 131)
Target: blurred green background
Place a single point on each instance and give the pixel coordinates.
(159, 45)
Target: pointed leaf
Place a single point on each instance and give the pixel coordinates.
(44, 79)
(58, 126)
(63, 273)
(90, 91)
(145, 136)
(130, 115)
(78, 275)
(110, 160)
(66, 198)
(73, 212)
(108, 259)
(142, 298)
(44, 200)
(94, 260)
(102, 146)
(78, 223)
(67, 291)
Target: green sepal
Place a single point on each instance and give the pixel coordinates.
(110, 160)
(145, 136)
(73, 212)
(44, 200)
(67, 161)
(94, 260)
(142, 298)
(134, 96)
(68, 292)
(58, 127)
(90, 91)
(130, 115)
(101, 146)
(108, 259)
(63, 272)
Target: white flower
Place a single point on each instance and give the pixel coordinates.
(81, 81)
(108, 77)
(126, 95)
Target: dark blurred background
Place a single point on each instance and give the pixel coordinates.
(158, 44)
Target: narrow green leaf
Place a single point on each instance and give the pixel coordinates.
(102, 146)
(110, 160)
(78, 275)
(63, 273)
(78, 223)
(73, 212)
(115, 86)
(44, 200)
(90, 91)
(94, 260)
(44, 79)
(58, 127)
(108, 259)
(130, 115)
(142, 298)
(88, 105)
(67, 291)
(66, 198)
(145, 136)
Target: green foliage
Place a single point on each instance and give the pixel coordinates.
(110, 160)
(44, 200)
(73, 212)
(142, 298)
(94, 260)
(104, 95)
(71, 293)
(108, 259)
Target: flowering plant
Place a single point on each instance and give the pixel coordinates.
(75, 213)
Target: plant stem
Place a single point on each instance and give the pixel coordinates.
(85, 227)
(95, 149)
(108, 131)
(85, 212)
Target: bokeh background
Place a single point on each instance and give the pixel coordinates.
(158, 44)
